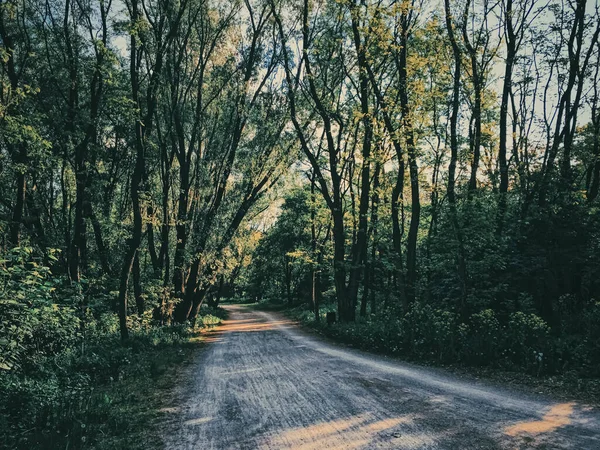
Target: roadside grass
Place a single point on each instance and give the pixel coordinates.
(427, 347)
(106, 396)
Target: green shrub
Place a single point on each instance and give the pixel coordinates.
(527, 341)
(586, 348)
(431, 332)
(32, 323)
(481, 338)
(66, 379)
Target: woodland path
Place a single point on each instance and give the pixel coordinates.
(262, 383)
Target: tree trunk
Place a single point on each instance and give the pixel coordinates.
(368, 293)
(346, 310)
(313, 243)
(137, 285)
(181, 230)
(592, 193)
(100, 244)
(287, 278)
(184, 307)
(360, 250)
(17, 218)
(476, 147)
(151, 243)
(451, 190)
(506, 89)
(477, 80)
(163, 257)
(411, 244)
(198, 300)
(79, 243)
(122, 299)
(136, 180)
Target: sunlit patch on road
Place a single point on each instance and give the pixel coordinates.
(365, 431)
(198, 421)
(249, 325)
(242, 326)
(558, 416)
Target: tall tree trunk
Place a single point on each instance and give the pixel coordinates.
(79, 243)
(151, 243)
(360, 250)
(136, 180)
(594, 184)
(65, 212)
(142, 129)
(17, 218)
(476, 132)
(78, 260)
(100, 244)
(451, 189)
(411, 244)
(19, 152)
(313, 243)
(477, 81)
(332, 196)
(181, 229)
(511, 51)
(345, 307)
(165, 261)
(568, 104)
(163, 256)
(397, 198)
(137, 285)
(370, 262)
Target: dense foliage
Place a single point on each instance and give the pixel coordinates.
(461, 206)
(66, 382)
(428, 169)
(135, 138)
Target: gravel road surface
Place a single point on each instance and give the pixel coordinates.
(262, 383)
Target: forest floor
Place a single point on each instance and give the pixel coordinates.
(261, 382)
(138, 406)
(128, 413)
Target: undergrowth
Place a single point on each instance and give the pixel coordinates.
(66, 379)
(521, 348)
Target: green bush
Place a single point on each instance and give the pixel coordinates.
(33, 324)
(66, 379)
(481, 338)
(585, 353)
(527, 341)
(524, 341)
(431, 332)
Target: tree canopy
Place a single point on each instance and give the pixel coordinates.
(398, 159)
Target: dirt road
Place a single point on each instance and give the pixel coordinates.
(263, 384)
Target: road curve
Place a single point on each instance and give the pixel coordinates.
(263, 384)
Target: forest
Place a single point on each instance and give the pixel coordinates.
(429, 170)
